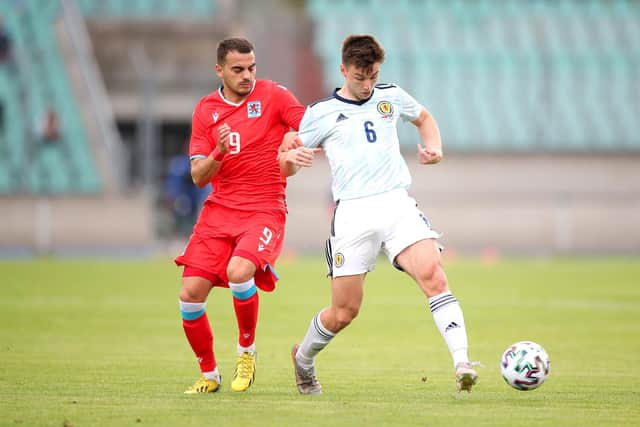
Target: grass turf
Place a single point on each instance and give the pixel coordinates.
(100, 343)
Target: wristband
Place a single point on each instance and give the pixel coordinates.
(217, 155)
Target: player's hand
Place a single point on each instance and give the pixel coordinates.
(290, 141)
(429, 156)
(301, 156)
(223, 138)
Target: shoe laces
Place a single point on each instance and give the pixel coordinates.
(245, 365)
(200, 384)
(307, 375)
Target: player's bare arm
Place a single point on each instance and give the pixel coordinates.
(290, 141)
(291, 161)
(430, 147)
(293, 155)
(203, 169)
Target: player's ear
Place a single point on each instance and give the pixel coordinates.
(219, 70)
(343, 70)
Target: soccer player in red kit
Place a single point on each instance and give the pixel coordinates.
(235, 139)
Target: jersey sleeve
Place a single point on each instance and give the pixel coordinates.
(200, 145)
(411, 108)
(291, 110)
(310, 133)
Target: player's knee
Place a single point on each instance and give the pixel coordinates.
(195, 289)
(240, 270)
(239, 275)
(188, 294)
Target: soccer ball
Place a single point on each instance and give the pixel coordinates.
(525, 365)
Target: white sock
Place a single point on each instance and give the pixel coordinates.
(314, 341)
(450, 322)
(251, 349)
(213, 375)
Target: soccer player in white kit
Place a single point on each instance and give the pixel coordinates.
(356, 127)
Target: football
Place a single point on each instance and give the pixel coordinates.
(525, 365)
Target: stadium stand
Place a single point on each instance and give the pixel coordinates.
(40, 81)
(147, 9)
(11, 156)
(557, 76)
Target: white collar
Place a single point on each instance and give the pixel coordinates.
(233, 103)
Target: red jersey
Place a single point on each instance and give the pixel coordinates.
(249, 177)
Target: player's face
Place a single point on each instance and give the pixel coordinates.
(358, 82)
(238, 74)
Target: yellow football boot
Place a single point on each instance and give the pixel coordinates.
(245, 372)
(203, 385)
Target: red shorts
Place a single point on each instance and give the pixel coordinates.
(221, 233)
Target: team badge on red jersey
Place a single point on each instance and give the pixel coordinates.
(254, 109)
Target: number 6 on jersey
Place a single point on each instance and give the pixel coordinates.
(369, 132)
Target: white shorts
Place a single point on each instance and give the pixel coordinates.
(362, 227)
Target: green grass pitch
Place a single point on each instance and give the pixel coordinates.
(100, 343)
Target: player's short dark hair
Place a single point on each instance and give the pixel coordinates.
(362, 51)
(233, 44)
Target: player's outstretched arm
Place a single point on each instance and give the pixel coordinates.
(430, 147)
(290, 141)
(293, 155)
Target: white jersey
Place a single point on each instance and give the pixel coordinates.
(360, 140)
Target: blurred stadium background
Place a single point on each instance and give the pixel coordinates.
(538, 103)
